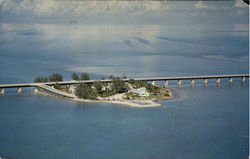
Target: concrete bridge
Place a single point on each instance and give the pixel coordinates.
(45, 86)
(55, 92)
(40, 86)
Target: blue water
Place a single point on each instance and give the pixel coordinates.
(202, 122)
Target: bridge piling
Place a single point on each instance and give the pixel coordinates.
(166, 84)
(179, 82)
(192, 81)
(19, 90)
(218, 80)
(2, 91)
(179, 86)
(218, 85)
(230, 80)
(205, 81)
(243, 79)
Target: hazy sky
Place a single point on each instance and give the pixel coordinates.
(125, 12)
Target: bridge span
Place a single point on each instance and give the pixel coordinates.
(46, 85)
(49, 90)
(40, 86)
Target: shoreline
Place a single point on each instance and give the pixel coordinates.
(132, 103)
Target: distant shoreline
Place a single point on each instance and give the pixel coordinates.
(131, 103)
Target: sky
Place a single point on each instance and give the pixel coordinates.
(124, 12)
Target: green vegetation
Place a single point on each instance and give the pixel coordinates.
(149, 87)
(107, 93)
(88, 91)
(85, 76)
(85, 91)
(137, 84)
(41, 79)
(61, 88)
(130, 95)
(75, 76)
(119, 86)
(152, 89)
(162, 93)
(57, 86)
(155, 91)
(98, 87)
(105, 89)
(55, 77)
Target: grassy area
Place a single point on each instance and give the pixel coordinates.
(161, 93)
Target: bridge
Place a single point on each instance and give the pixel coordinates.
(55, 92)
(46, 85)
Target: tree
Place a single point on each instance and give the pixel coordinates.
(85, 76)
(98, 86)
(55, 77)
(41, 79)
(152, 89)
(138, 84)
(131, 81)
(119, 86)
(75, 76)
(85, 91)
(57, 86)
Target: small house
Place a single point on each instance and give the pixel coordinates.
(141, 92)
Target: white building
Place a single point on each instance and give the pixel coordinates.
(141, 92)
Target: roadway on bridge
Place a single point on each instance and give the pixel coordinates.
(137, 79)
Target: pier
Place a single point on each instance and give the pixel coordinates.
(46, 85)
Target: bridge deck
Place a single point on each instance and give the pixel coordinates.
(55, 91)
(137, 79)
(191, 77)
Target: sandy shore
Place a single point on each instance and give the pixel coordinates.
(131, 103)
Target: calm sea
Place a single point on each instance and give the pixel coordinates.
(201, 122)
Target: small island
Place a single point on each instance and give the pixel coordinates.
(130, 92)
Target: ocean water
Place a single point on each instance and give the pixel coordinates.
(201, 122)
